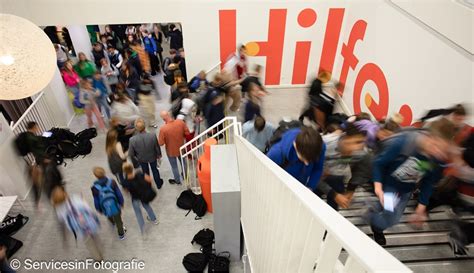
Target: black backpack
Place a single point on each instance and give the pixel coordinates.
(204, 237)
(199, 207)
(68, 149)
(219, 263)
(186, 200)
(145, 191)
(84, 147)
(195, 262)
(60, 134)
(86, 134)
(21, 144)
(282, 128)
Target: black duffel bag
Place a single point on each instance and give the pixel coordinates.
(219, 263)
(195, 262)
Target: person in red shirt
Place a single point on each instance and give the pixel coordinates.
(172, 135)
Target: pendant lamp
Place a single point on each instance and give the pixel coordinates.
(27, 58)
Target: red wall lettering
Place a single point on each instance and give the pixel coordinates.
(331, 39)
(300, 64)
(347, 51)
(373, 73)
(306, 18)
(227, 34)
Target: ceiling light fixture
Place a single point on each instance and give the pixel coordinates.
(27, 58)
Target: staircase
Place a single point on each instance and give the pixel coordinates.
(423, 250)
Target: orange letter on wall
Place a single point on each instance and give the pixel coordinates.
(227, 34)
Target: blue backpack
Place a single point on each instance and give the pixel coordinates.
(108, 201)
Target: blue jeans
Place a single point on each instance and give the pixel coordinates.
(103, 104)
(174, 167)
(382, 219)
(138, 212)
(154, 170)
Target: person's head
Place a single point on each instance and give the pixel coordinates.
(202, 75)
(181, 52)
(82, 57)
(56, 47)
(58, 196)
(172, 53)
(111, 141)
(333, 127)
(146, 32)
(130, 38)
(438, 142)
(98, 172)
(254, 89)
(308, 145)
(156, 27)
(352, 141)
(172, 27)
(324, 76)
(140, 125)
(103, 62)
(458, 116)
(114, 122)
(110, 49)
(258, 69)
(165, 115)
(103, 38)
(32, 127)
(98, 47)
(242, 50)
(68, 65)
(97, 76)
(363, 116)
(177, 59)
(387, 129)
(108, 29)
(259, 123)
(128, 169)
(85, 84)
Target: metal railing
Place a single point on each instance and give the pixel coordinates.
(39, 112)
(223, 132)
(287, 228)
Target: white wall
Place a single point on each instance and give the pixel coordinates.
(422, 70)
(57, 97)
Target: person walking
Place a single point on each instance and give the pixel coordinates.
(115, 154)
(145, 150)
(173, 136)
(88, 98)
(139, 186)
(84, 67)
(108, 200)
(75, 215)
(101, 99)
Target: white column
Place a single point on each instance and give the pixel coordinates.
(57, 97)
(80, 39)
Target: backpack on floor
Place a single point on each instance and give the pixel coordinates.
(195, 262)
(84, 147)
(204, 237)
(81, 220)
(86, 134)
(199, 207)
(68, 149)
(60, 134)
(186, 200)
(108, 202)
(219, 263)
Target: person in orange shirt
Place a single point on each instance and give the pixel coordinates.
(172, 135)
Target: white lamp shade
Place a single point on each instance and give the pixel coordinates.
(27, 58)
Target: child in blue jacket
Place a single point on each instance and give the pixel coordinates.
(409, 160)
(108, 199)
(300, 152)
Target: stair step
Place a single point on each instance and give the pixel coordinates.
(450, 266)
(422, 253)
(434, 217)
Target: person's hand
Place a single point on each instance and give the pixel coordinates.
(419, 217)
(378, 191)
(342, 200)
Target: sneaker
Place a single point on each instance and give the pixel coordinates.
(172, 181)
(379, 237)
(122, 237)
(154, 222)
(178, 183)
